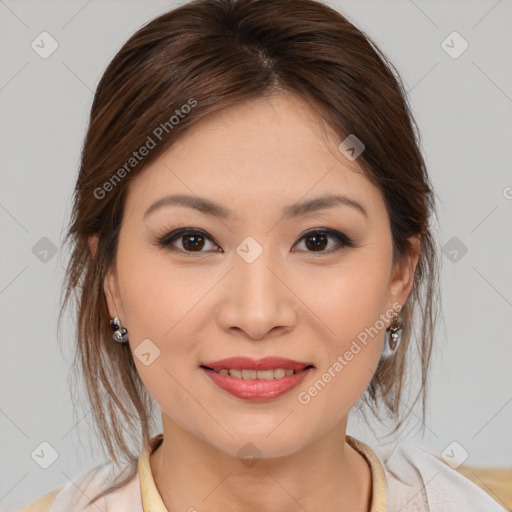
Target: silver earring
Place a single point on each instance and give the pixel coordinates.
(393, 337)
(120, 333)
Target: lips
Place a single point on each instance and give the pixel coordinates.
(255, 389)
(247, 363)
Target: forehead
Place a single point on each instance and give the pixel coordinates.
(265, 152)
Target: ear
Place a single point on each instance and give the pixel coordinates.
(110, 287)
(403, 274)
(93, 244)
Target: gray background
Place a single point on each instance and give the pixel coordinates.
(463, 108)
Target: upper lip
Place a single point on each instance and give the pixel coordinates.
(247, 363)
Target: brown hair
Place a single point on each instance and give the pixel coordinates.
(210, 55)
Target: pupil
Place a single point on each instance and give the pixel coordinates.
(316, 245)
(195, 241)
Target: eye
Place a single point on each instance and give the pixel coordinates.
(317, 240)
(191, 240)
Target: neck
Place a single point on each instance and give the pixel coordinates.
(326, 474)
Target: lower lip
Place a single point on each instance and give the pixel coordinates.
(254, 389)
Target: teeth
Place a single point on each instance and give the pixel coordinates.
(278, 373)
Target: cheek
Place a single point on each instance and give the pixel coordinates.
(162, 304)
(156, 295)
(349, 298)
(349, 310)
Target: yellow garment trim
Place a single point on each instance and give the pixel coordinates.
(152, 501)
(43, 503)
(379, 488)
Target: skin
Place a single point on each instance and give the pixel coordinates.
(291, 301)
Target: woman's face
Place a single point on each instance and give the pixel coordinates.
(251, 282)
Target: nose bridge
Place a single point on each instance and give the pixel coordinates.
(255, 281)
(258, 299)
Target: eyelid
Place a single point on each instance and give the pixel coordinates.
(343, 240)
(167, 239)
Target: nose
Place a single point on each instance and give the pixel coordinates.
(258, 302)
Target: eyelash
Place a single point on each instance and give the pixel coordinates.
(168, 239)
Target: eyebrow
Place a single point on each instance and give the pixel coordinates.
(209, 207)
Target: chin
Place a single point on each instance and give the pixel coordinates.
(254, 444)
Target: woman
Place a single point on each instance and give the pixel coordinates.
(252, 221)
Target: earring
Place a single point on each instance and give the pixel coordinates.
(120, 333)
(393, 337)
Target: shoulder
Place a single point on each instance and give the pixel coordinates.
(75, 494)
(417, 480)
